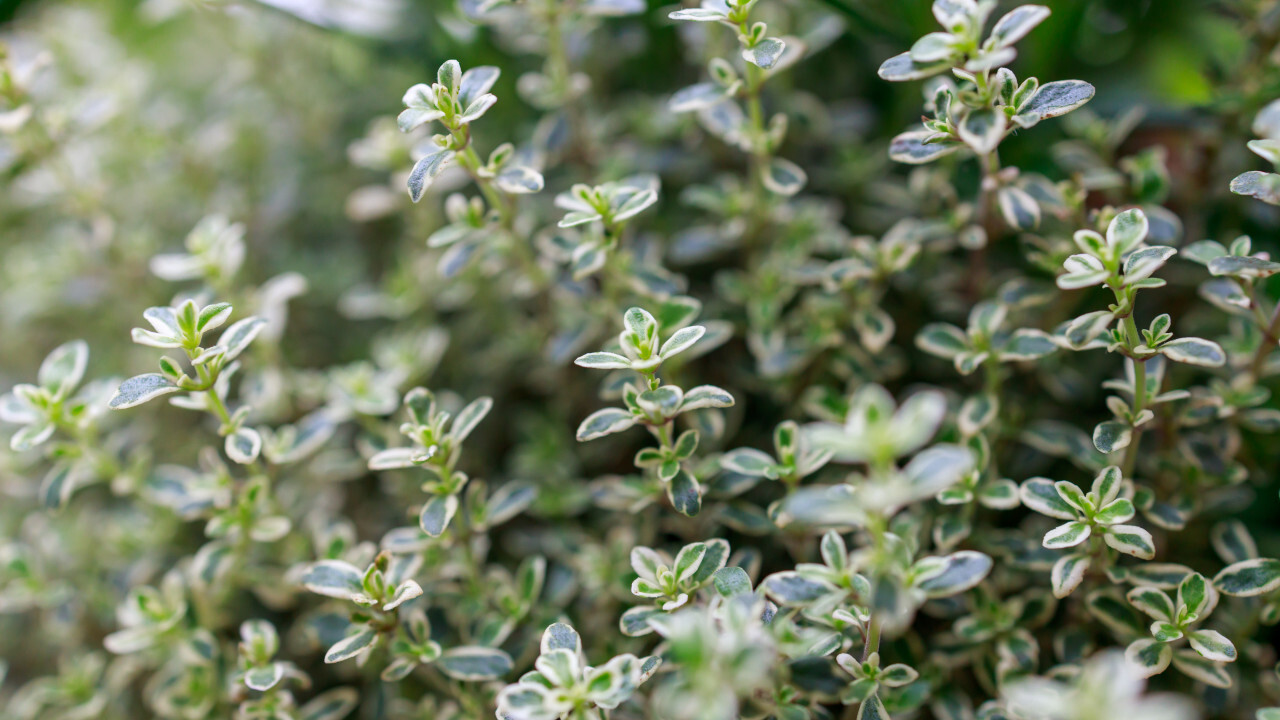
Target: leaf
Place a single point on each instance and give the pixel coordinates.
(696, 97)
(1193, 594)
(265, 677)
(63, 368)
(1150, 657)
(706, 396)
(1041, 495)
(765, 53)
(1212, 645)
(436, 514)
(1130, 540)
(962, 570)
(141, 388)
(1194, 351)
(470, 663)
(351, 646)
(783, 177)
(681, 340)
(1243, 266)
(635, 621)
(1191, 664)
(1027, 344)
(243, 446)
(1016, 23)
(1264, 186)
(603, 361)
(1019, 209)
(685, 493)
(425, 171)
(1057, 98)
(420, 108)
(560, 636)
(901, 68)
(604, 422)
(872, 709)
(476, 82)
(1143, 263)
(238, 336)
(749, 461)
(792, 589)
(1112, 435)
(333, 578)
(1152, 601)
(912, 148)
(1067, 535)
(698, 15)
(469, 417)
(942, 340)
(519, 180)
(332, 704)
(1067, 573)
(731, 581)
(982, 130)
(1249, 578)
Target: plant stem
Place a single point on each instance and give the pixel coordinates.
(1139, 395)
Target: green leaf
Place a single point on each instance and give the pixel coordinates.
(352, 645)
(1264, 186)
(604, 422)
(914, 148)
(682, 340)
(765, 53)
(333, 578)
(749, 461)
(731, 581)
(783, 177)
(603, 361)
(1249, 578)
(1042, 496)
(1112, 436)
(792, 589)
(1067, 573)
(1019, 209)
(1194, 351)
(901, 68)
(63, 368)
(436, 514)
(332, 704)
(1057, 98)
(1212, 645)
(1150, 657)
(635, 621)
(141, 388)
(685, 493)
(1067, 535)
(1153, 602)
(942, 340)
(982, 130)
(1193, 594)
(1130, 540)
(1016, 23)
(961, 571)
(472, 663)
(425, 171)
(1243, 266)
(1117, 511)
(469, 417)
(1211, 673)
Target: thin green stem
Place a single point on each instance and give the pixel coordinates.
(1139, 394)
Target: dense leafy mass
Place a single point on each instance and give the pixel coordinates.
(760, 359)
